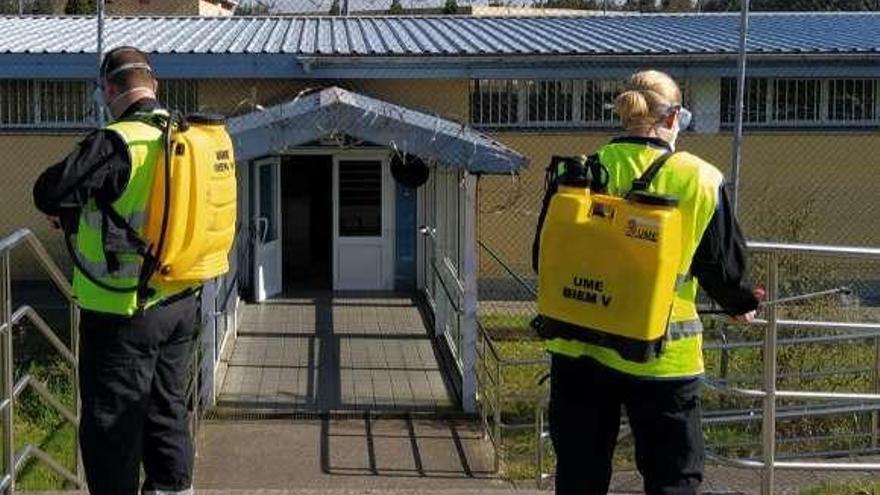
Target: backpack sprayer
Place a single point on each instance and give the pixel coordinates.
(191, 212)
(607, 265)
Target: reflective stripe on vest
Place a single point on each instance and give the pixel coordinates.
(95, 219)
(696, 184)
(146, 146)
(684, 329)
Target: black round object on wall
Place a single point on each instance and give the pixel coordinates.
(409, 170)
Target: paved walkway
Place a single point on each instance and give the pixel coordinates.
(326, 352)
(405, 455)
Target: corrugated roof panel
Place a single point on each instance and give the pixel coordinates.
(309, 40)
(407, 43)
(456, 35)
(426, 44)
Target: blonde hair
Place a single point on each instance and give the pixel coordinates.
(646, 98)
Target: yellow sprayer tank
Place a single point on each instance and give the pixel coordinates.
(201, 206)
(608, 268)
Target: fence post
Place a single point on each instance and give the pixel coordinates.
(7, 454)
(74, 348)
(768, 430)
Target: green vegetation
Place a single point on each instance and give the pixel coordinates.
(864, 487)
(396, 8)
(80, 7)
(36, 423)
(450, 7)
(835, 366)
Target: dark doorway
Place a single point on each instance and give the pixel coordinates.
(307, 210)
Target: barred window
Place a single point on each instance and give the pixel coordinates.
(803, 102)
(797, 100)
(181, 95)
(853, 100)
(50, 103)
(755, 102)
(598, 101)
(494, 102)
(543, 103)
(550, 101)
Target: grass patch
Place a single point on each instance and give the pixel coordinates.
(837, 366)
(863, 487)
(37, 423)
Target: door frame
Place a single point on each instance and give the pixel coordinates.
(260, 295)
(389, 223)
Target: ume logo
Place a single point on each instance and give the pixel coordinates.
(642, 231)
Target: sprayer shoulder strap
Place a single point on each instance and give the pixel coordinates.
(598, 174)
(643, 182)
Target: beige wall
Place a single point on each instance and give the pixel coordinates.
(24, 157)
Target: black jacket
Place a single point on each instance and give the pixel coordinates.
(98, 168)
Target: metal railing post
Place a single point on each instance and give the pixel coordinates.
(77, 406)
(768, 430)
(875, 416)
(7, 455)
(499, 442)
(539, 450)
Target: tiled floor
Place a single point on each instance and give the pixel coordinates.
(328, 352)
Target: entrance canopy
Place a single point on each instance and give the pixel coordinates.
(336, 113)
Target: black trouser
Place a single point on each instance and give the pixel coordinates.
(585, 403)
(133, 378)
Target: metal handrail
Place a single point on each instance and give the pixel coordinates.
(818, 249)
(13, 463)
(769, 394)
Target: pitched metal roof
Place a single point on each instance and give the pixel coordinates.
(455, 36)
(333, 112)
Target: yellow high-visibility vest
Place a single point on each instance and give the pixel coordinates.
(696, 184)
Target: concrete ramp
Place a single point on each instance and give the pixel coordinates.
(326, 353)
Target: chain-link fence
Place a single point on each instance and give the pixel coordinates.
(539, 81)
(804, 178)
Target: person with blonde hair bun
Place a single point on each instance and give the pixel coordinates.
(590, 383)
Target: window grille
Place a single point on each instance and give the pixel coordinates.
(494, 102)
(853, 100)
(803, 102)
(598, 101)
(50, 103)
(181, 95)
(797, 100)
(550, 101)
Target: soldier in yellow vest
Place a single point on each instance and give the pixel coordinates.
(590, 383)
(135, 344)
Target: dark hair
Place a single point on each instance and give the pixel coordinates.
(140, 72)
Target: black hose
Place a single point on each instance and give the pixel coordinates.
(160, 246)
(87, 274)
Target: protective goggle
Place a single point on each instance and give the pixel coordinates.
(684, 115)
